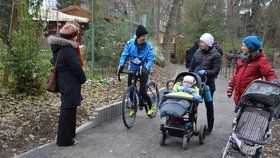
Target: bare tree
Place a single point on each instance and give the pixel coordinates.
(167, 39)
(156, 19)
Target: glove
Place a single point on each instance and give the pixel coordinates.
(143, 70)
(201, 73)
(119, 70)
(229, 91)
(197, 98)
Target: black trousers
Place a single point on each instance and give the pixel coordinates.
(209, 107)
(143, 88)
(66, 126)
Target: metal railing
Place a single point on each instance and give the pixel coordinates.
(227, 72)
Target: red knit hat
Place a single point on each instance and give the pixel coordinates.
(69, 31)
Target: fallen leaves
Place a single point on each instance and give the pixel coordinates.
(26, 122)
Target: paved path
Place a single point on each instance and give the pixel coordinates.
(113, 140)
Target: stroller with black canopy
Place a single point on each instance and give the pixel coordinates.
(258, 106)
(184, 124)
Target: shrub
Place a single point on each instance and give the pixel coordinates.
(22, 61)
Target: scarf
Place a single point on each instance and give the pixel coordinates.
(79, 54)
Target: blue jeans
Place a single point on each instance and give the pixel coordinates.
(209, 107)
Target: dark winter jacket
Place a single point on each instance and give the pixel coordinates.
(69, 70)
(246, 72)
(210, 62)
(190, 52)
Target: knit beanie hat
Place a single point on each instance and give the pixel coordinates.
(69, 31)
(140, 31)
(207, 38)
(253, 43)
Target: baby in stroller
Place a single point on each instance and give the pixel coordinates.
(179, 106)
(187, 86)
(251, 128)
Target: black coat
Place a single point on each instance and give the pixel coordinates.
(210, 62)
(190, 52)
(69, 70)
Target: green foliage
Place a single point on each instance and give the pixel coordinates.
(110, 36)
(158, 51)
(181, 50)
(204, 16)
(23, 61)
(5, 12)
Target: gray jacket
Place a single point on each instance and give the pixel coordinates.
(210, 62)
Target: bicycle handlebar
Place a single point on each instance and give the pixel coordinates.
(130, 73)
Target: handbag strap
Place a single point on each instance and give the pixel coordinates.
(202, 61)
(57, 58)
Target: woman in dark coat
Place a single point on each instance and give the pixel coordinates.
(206, 61)
(70, 78)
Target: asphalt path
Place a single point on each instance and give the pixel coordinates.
(113, 140)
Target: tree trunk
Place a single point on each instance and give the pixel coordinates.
(156, 19)
(167, 39)
(232, 19)
(13, 25)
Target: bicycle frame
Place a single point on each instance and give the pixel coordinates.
(132, 97)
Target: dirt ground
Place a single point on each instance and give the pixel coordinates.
(28, 122)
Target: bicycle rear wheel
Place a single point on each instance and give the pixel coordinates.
(129, 104)
(152, 91)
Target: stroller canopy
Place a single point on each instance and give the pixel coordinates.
(263, 92)
(180, 77)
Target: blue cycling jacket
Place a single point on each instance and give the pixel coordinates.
(142, 55)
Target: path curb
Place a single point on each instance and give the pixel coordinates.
(101, 115)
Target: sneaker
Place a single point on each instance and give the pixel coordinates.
(151, 111)
(132, 112)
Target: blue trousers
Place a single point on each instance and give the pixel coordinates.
(209, 107)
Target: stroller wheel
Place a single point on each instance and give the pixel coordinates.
(202, 132)
(226, 151)
(259, 153)
(185, 141)
(162, 138)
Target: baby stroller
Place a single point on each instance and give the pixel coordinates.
(258, 106)
(184, 124)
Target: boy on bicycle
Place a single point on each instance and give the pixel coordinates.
(140, 53)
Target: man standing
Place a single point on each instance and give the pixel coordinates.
(206, 61)
(189, 53)
(229, 57)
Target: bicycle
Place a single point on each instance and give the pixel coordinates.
(132, 97)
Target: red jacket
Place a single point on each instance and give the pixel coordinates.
(246, 72)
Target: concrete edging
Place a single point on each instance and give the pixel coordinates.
(102, 114)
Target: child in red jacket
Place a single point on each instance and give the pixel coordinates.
(252, 65)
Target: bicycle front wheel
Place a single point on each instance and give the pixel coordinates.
(129, 107)
(152, 91)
